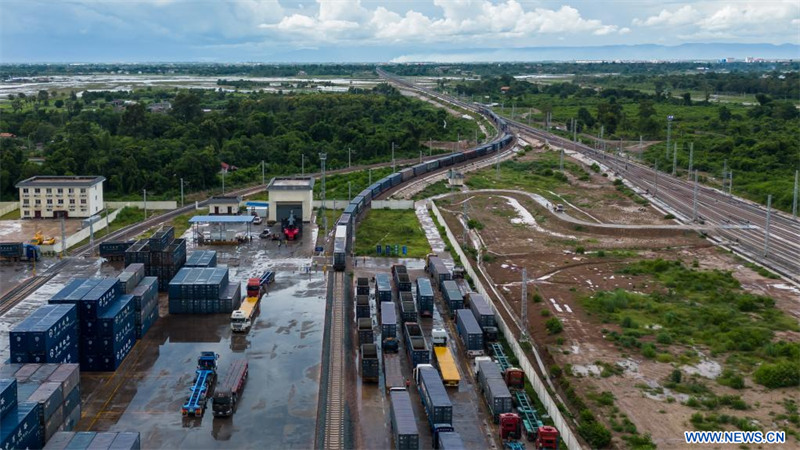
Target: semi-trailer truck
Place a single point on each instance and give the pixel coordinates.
(434, 398)
(424, 297)
(242, 319)
(404, 424)
(416, 346)
(229, 389)
(392, 372)
(444, 361)
(494, 389)
(369, 363)
(483, 315)
(470, 332)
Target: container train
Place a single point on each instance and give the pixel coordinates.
(345, 226)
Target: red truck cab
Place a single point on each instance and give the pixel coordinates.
(514, 378)
(229, 390)
(547, 438)
(510, 425)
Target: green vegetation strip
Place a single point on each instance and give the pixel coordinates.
(703, 307)
(391, 227)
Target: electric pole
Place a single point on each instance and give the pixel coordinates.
(322, 158)
(303, 165)
(655, 192)
(669, 130)
(430, 146)
(794, 202)
(393, 157)
(730, 183)
(181, 192)
(262, 174)
(691, 158)
(675, 160)
(370, 176)
(466, 219)
(694, 199)
(349, 192)
(349, 163)
(64, 237)
(524, 304)
(145, 203)
(766, 228)
(561, 160)
(223, 181)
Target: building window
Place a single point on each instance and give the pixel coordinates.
(24, 190)
(71, 190)
(72, 201)
(60, 190)
(49, 191)
(26, 213)
(83, 190)
(83, 201)
(38, 202)
(36, 190)
(49, 201)
(61, 201)
(25, 202)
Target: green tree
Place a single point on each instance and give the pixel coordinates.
(186, 106)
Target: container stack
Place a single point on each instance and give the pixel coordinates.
(53, 391)
(131, 277)
(108, 440)
(114, 251)
(145, 301)
(49, 335)
(20, 427)
(196, 290)
(202, 258)
(161, 254)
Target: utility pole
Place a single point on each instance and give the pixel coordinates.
(466, 219)
(529, 116)
(393, 157)
(430, 146)
(724, 175)
(349, 163)
(263, 181)
(303, 165)
(655, 193)
(370, 176)
(322, 158)
(181, 192)
(524, 304)
(730, 184)
(694, 199)
(145, 203)
(497, 166)
(691, 158)
(675, 160)
(561, 161)
(794, 202)
(602, 142)
(420, 155)
(640, 144)
(64, 237)
(669, 130)
(91, 236)
(458, 140)
(349, 192)
(476, 136)
(766, 228)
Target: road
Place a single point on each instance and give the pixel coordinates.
(715, 208)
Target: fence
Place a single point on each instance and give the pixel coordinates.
(160, 205)
(84, 233)
(7, 207)
(559, 421)
(376, 204)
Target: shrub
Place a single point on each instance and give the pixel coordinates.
(555, 371)
(595, 168)
(545, 313)
(601, 253)
(627, 322)
(664, 338)
(554, 326)
(648, 351)
(595, 434)
(537, 298)
(676, 376)
(580, 250)
(474, 223)
(669, 216)
(782, 374)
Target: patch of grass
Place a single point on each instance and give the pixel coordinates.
(554, 325)
(13, 215)
(332, 215)
(391, 227)
(474, 224)
(540, 175)
(438, 188)
(628, 192)
(761, 271)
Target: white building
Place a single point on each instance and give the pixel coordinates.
(60, 196)
(224, 205)
(290, 195)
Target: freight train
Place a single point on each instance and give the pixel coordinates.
(361, 202)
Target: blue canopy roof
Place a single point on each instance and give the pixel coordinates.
(222, 219)
(257, 204)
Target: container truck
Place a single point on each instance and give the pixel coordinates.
(19, 251)
(229, 389)
(483, 315)
(404, 424)
(452, 296)
(494, 389)
(438, 270)
(424, 297)
(408, 311)
(369, 363)
(383, 287)
(242, 319)
(388, 321)
(205, 377)
(470, 332)
(434, 398)
(416, 346)
(392, 372)
(444, 361)
(438, 336)
(365, 335)
(362, 306)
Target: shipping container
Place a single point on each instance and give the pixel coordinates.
(145, 294)
(494, 388)
(434, 397)
(114, 250)
(127, 440)
(401, 279)
(365, 335)
(11, 249)
(484, 315)
(470, 332)
(108, 362)
(388, 321)
(22, 427)
(452, 296)
(369, 363)
(443, 360)
(117, 317)
(201, 258)
(450, 441)
(198, 283)
(424, 297)
(404, 424)
(130, 277)
(49, 335)
(416, 346)
(362, 306)
(383, 287)
(362, 286)
(161, 239)
(408, 311)
(8, 395)
(438, 270)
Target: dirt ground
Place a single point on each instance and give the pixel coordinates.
(20, 230)
(562, 276)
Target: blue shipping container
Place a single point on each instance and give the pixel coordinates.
(116, 317)
(8, 396)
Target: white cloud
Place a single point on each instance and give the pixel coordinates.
(684, 15)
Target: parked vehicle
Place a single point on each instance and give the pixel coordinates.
(205, 377)
(450, 440)
(369, 363)
(392, 371)
(452, 296)
(494, 389)
(438, 337)
(424, 297)
(242, 319)
(416, 346)
(434, 398)
(483, 315)
(443, 360)
(470, 332)
(292, 227)
(229, 389)
(404, 424)
(19, 251)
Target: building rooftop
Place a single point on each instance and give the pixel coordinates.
(222, 219)
(221, 199)
(61, 181)
(291, 184)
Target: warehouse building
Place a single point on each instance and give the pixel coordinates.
(224, 205)
(60, 196)
(290, 194)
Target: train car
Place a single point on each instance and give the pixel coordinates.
(347, 221)
(471, 154)
(407, 173)
(433, 165)
(340, 248)
(367, 194)
(396, 178)
(447, 160)
(375, 189)
(459, 158)
(420, 169)
(352, 209)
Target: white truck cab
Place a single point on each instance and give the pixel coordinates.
(439, 337)
(476, 363)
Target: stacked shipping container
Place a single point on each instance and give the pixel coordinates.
(51, 392)
(196, 290)
(49, 335)
(162, 256)
(108, 440)
(202, 258)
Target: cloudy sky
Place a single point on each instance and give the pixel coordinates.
(364, 30)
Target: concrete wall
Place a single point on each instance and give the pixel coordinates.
(305, 197)
(538, 385)
(74, 239)
(376, 204)
(151, 206)
(7, 207)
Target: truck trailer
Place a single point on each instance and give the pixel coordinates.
(19, 251)
(392, 372)
(424, 297)
(483, 315)
(242, 319)
(444, 361)
(365, 335)
(404, 424)
(362, 306)
(408, 311)
(494, 389)
(383, 287)
(434, 398)
(452, 296)
(470, 332)
(229, 389)
(450, 440)
(369, 363)
(416, 346)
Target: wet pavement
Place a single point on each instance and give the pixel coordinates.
(470, 414)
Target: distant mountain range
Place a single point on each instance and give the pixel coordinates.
(643, 52)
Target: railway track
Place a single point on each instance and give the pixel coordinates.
(335, 402)
(28, 287)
